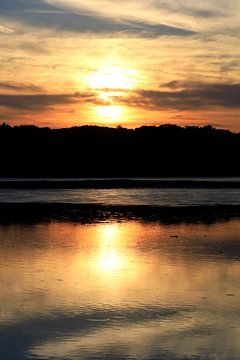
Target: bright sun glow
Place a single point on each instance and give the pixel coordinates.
(109, 113)
(110, 84)
(109, 259)
(112, 77)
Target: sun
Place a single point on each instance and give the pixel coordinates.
(111, 84)
(109, 113)
(112, 77)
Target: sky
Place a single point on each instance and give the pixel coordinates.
(131, 62)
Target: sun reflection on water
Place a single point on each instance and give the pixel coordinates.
(109, 261)
(90, 285)
(110, 258)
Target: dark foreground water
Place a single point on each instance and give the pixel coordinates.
(129, 290)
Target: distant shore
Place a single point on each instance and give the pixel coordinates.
(118, 183)
(89, 213)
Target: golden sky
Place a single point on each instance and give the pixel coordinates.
(130, 63)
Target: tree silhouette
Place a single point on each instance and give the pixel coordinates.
(147, 151)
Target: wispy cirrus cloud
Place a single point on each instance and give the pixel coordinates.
(142, 17)
(62, 17)
(6, 30)
(193, 15)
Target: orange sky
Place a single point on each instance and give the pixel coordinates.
(130, 63)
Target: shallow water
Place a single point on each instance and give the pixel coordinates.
(125, 290)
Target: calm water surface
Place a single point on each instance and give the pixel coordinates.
(126, 290)
(156, 197)
(138, 196)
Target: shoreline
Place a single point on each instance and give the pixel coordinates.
(27, 213)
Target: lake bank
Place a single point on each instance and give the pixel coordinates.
(131, 183)
(89, 213)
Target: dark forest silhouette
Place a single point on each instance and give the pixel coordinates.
(91, 151)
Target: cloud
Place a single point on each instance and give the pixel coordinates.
(192, 15)
(196, 97)
(40, 102)
(61, 18)
(6, 30)
(93, 24)
(19, 87)
(146, 18)
(37, 47)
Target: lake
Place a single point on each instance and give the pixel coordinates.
(120, 290)
(155, 197)
(153, 192)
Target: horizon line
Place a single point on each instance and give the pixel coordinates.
(119, 127)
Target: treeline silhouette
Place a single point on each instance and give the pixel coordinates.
(91, 151)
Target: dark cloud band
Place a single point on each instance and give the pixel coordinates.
(41, 102)
(199, 96)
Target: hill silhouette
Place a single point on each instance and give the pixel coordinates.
(92, 151)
